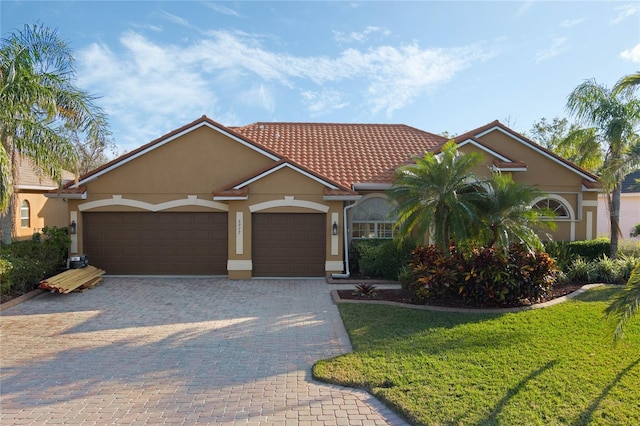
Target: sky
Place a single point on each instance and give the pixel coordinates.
(440, 66)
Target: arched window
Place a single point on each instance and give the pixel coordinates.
(556, 206)
(372, 218)
(25, 215)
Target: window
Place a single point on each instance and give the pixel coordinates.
(373, 218)
(25, 214)
(555, 206)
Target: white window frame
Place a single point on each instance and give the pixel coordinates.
(377, 222)
(25, 214)
(561, 203)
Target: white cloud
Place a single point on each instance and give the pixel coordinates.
(633, 54)
(524, 8)
(323, 102)
(165, 85)
(222, 9)
(558, 46)
(359, 36)
(259, 96)
(176, 19)
(624, 12)
(568, 23)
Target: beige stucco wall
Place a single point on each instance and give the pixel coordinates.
(43, 212)
(196, 164)
(286, 191)
(551, 177)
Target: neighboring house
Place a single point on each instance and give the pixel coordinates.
(281, 199)
(32, 209)
(629, 208)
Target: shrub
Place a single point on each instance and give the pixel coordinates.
(5, 269)
(582, 271)
(436, 275)
(591, 249)
(561, 252)
(482, 276)
(380, 258)
(32, 261)
(25, 275)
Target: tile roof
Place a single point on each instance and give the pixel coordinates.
(28, 175)
(345, 153)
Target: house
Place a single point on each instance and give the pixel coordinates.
(33, 210)
(629, 208)
(281, 199)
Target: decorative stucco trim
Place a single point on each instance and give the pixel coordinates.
(117, 200)
(281, 166)
(334, 238)
(589, 233)
(239, 232)
(590, 203)
(73, 217)
(288, 201)
(341, 197)
(35, 187)
(239, 265)
(333, 265)
(509, 169)
(485, 149)
(371, 186)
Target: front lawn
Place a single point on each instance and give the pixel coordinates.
(552, 366)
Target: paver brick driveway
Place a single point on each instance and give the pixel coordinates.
(184, 351)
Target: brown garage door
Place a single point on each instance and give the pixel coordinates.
(288, 245)
(157, 243)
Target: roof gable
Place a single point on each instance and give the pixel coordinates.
(239, 188)
(203, 121)
(497, 126)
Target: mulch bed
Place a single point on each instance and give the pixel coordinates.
(404, 296)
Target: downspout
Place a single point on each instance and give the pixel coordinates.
(347, 274)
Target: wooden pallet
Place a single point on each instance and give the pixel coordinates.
(73, 279)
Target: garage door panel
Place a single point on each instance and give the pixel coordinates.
(288, 244)
(157, 243)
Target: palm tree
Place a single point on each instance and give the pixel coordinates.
(438, 195)
(506, 214)
(37, 96)
(612, 120)
(627, 304)
(627, 82)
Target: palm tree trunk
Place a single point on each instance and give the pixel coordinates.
(614, 218)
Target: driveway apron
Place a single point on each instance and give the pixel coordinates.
(178, 351)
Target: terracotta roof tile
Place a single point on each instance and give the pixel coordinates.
(345, 153)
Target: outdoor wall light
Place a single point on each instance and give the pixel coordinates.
(334, 228)
(72, 227)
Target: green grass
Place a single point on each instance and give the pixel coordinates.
(552, 366)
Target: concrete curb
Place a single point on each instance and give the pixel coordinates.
(337, 299)
(16, 301)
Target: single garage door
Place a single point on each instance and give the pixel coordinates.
(157, 243)
(288, 245)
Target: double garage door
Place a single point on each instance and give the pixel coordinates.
(136, 243)
(157, 243)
